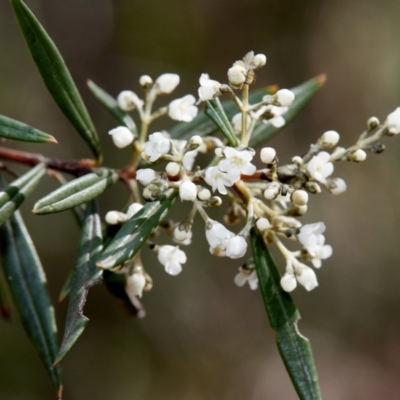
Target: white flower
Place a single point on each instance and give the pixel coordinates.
(218, 180)
(133, 209)
(307, 278)
(146, 176)
(166, 83)
(208, 88)
(128, 101)
(237, 74)
(267, 155)
(188, 159)
(135, 284)
(217, 237)
(336, 185)
(274, 115)
(329, 139)
(236, 247)
(157, 146)
(245, 276)
(187, 191)
(284, 97)
(393, 121)
(183, 109)
(288, 282)
(121, 136)
(172, 258)
(237, 122)
(236, 163)
(115, 217)
(320, 167)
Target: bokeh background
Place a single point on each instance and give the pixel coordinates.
(204, 338)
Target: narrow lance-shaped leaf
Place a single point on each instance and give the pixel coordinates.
(15, 130)
(5, 303)
(12, 196)
(283, 316)
(216, 113)
(304, 94)
(56, 76)
(85, 275)
(76, 192)
(111, 105)
(27, 283)
(134, 233)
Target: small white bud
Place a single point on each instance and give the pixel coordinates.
(336, 186)
(329, 139)
(133, 209)
(219, 152)
(262, 224)
(272, 191)
(204, 194)
(259, 60)
(307, 278)
(166, 83)
(194, 142)
(358, 156)
(135, 284)
(173, 169)
(145, 176)
(181, 235)
(145, 81)
(236, 247)
(115, 217)
(267, 155)
(284, 97)
(187, 191)
(128, 101)
(237, 75)
(121, 136)
(301, 210)
(393, 122)
(288, 282)
(300, 197)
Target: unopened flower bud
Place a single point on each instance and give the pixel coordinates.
(187, 191)
(267, 155)
(262, 224)
(284, 97)
(128, 101)
(259, 60)
(237, 75)
(236, 247)
(146, 175)
(313, 187)
(336, 185)
(115, 217)
(329, 139)
(204, 194)
(173, 169)
(182, 235)
(272, 191)
(372, 123)
(166, 83)
(121, 136)
(133, 209)
(300, 197)
(194, 142)
(358, 156)
(288, 282)
(214, 201)
(135, 284)
(145, 81)
(219, 152)
(307, 278)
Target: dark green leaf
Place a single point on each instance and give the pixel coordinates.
(304, 94)
(27, 283)
(283, 316)
(85, 275)
(56, 76)
(216, 113)
(15, 193)
(111, 105)
(15, 130)
(66, 289)
(76, 192)
(134, 233)
(5, 303)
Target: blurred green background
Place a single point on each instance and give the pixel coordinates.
(204, 338)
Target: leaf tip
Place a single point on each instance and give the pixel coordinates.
(52, 139)
(59, 392)
(321, 79)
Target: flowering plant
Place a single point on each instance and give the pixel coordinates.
(166, 167)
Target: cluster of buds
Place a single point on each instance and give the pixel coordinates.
(269, 199)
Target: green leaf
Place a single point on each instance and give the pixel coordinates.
(15, 130)
(76, 192)
(56, 76)
(134, 233)
(111, 105)
(304, 94)
(216, 113)
(27, 283)
(16, 192)
(85, 275)
(5, 303)
(283, 316)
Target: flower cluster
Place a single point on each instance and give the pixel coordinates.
(270, 199)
